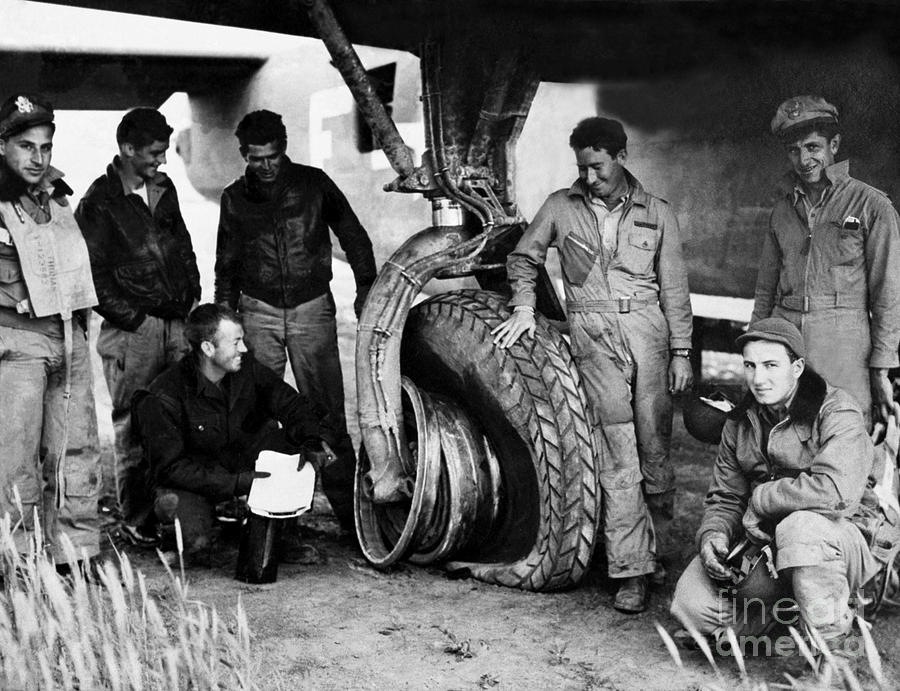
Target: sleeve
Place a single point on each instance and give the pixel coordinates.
(187, 249)
(97, 228)
(767, 277)
(674, 292)
(303, 421)
(350, 234)
(228, 256)
(837, 477)
(530, 253)
(883, 278)
(159, 421)
(729, 491)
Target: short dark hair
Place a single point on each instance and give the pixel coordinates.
(599, 133)
(141, 127)
(260, 128)
(203, 322)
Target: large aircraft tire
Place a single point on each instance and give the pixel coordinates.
(528, 401)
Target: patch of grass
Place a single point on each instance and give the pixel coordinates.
(106, 629)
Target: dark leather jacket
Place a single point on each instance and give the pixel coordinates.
(195, 434)
(142, 263)
(276, 247)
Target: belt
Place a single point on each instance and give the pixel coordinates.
(621, 305)
(807, 303)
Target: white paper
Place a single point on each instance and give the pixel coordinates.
(287, 492)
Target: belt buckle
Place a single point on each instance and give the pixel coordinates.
(624, 305)
(805, 304)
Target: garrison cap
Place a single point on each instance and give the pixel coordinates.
(805, 111)
(22, 111)
(777, 330)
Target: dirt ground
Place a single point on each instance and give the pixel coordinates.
(340, 624)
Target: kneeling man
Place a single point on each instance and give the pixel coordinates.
(792, 466)
(204, 421)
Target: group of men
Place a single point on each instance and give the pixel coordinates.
(794, 459)
(190, 406)
(796, 455)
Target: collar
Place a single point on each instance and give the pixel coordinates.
(117, 182)
(12, 187)
(636, 193)
(802, 410)
(837, 174)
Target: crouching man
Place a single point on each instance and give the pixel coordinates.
(792, 466)
(204, 421)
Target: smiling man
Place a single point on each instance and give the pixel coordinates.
(830, 263)
(49, 450)
(203, 423)
(629, 312)
(273, 264)
(147, 281)
(791, 470)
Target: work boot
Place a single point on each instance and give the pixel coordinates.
(632, 595)
(139, 536)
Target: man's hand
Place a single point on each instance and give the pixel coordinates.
(882, 392)
(509, 331)
(681, 376)
(362, 292)
(320, 457)
(751, 522)
(713, 551)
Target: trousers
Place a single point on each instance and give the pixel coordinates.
(32, 429)
(132, 360)
(306, 335)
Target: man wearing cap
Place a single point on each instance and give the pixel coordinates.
(50, 462)
(273, 264)
(830, 262)
(147, 280)
(630, 317)
(792, 465)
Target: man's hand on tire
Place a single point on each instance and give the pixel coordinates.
(509, 331)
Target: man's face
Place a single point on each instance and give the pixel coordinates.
(146, 160)
(811, 154)
(28, 153)
(601, 172)
(769, 372)
(264, 161)
(227, 347)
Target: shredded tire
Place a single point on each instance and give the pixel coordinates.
(529, 402)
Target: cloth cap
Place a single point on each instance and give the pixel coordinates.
(777, 330)
(21, 111)
(802, 110)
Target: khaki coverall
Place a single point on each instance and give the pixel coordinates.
(626, 309)
(807, 479)
(834, 272)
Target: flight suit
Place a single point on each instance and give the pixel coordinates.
(834, 272)
(626, 309)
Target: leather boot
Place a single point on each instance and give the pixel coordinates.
(632, 595)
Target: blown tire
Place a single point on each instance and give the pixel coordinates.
(529, 403)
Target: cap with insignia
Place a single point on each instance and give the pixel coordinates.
(22, 111)
(802, 111)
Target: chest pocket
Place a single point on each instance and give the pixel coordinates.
(639, 254)
(206, 433)
(849, 243)
(577, 260)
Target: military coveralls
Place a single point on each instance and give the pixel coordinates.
(626, 308)
(833, 270)
(806, 475)
(50, 448)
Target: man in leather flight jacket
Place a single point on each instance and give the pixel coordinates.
(273, 264)
(147, 280)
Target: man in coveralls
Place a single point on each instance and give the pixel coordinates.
(629, 312)
(830, 263)
(48, 425)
